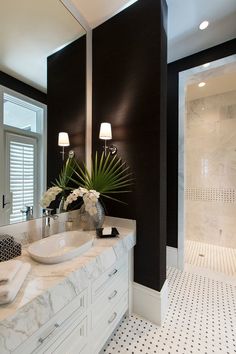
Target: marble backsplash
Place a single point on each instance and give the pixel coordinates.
(30, 231)
(210, 170)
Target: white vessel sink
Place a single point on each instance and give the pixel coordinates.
(61, 247)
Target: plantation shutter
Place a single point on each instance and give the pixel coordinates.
(21, 174)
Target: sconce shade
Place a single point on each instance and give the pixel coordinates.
(63, 139)
(105, 131)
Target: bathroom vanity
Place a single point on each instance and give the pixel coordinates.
(74, 306)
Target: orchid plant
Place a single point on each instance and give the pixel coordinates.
(61, 185)
(90, 198)
(49, 196)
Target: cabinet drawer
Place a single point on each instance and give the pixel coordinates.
(55, 329)
(75, 339)
(110, 296)
(99, 285)
(108, 323)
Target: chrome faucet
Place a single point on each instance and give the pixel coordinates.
(28, 212)
(46, 221)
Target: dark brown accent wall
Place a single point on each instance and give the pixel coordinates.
(19, 86)
(206, 56)
(129, 91)
(66, 103)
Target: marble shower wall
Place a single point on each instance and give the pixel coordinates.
(210, 170)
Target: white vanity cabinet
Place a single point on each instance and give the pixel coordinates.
(86, 323)
(70, 322)
(109, 302)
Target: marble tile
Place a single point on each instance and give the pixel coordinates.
(210, 177)
(211, 257)
(198, 159)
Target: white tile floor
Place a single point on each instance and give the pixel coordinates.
(201, 319)
(217, 258)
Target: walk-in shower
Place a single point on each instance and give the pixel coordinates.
(207, 166)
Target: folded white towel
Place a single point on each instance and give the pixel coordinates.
(107, 231)
(8, 270)
(9, 291)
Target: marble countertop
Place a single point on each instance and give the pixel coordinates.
(48, 288)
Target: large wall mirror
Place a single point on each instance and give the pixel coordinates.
(34, 37)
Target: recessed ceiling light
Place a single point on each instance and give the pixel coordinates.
(206, 65)
(201, 84)
(204, 25)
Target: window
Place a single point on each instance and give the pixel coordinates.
(22, 155)
(21, 114)
(21, 161)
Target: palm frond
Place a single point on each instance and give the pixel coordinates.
(109, 175)
(66, 174)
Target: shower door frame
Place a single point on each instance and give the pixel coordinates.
(181, 169)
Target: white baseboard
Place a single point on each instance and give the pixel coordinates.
(150, 304)
(180, 259)
(172, 257)
(131, 280)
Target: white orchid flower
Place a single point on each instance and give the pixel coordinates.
(90, 198)
(83, 190)
(49, 196)
(95, 193)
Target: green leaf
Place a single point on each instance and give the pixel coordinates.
(109, 175)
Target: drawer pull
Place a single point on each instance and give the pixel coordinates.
(112, 295)
(42, 339)
(113, 317)
(113, 273)
(81, 331)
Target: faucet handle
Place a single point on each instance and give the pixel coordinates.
(24, 210)
(28, 211)
(47, 211)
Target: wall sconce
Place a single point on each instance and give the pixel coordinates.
(63, 140)
(106, 134)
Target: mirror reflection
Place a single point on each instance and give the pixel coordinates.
(30, 34)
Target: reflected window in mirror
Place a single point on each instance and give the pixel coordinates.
(23, 147)
(32, 35)
(20, 114)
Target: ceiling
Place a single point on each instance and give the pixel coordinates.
(98, 11)
(32, 30)
(184, 37)
(30, 33)
(184, 17)
(214, 86)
